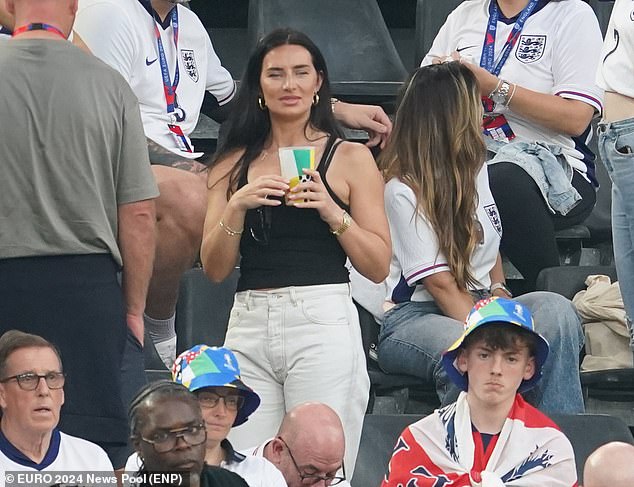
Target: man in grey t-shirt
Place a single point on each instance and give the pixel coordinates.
(76, 208)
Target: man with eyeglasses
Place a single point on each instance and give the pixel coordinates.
(309, 447)
(213, 375)
(31, 397)
(169, 435)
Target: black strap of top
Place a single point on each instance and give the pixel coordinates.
(324, 164)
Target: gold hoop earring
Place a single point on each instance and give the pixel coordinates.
(315, 99)
(261, 103)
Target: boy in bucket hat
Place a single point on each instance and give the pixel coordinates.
(213, 375)
(490, 437)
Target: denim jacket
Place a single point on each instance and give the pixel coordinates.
(546, 164)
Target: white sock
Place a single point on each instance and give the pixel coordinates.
(163, 334)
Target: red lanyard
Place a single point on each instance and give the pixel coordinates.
(38, 26)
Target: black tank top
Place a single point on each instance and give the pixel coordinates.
(286, 246)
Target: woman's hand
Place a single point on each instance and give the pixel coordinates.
(487, 81)
(259, 193)
(370, 118)
(313, 194)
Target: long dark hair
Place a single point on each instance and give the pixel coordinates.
(436, 148)
(248, 126)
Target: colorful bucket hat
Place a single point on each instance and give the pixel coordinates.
(202, 366)
(489, 311)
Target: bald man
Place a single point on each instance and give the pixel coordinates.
(610, 465)
(309, 446)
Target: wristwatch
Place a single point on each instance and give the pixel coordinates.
(500, 94)
(502, 287)
(346, 221)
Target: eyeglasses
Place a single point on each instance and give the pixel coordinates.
(30, 380)
(233, 402)
(261, 231)
(313, 479)
(165, 441)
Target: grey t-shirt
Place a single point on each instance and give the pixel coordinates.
(72, 149)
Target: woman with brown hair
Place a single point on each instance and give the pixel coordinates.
(446, 233)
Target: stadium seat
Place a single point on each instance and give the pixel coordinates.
(569, 280)
(430, 16)
(603, 10)
(363, 63)
(612, 385)
(380, 432)
(396, 387)
(203, 308)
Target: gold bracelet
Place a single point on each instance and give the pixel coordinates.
(228, 230)
(346, 221)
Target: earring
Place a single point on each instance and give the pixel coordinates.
(261, 103)
(315, 98)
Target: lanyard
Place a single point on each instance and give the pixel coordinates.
(487, 60)
(38, 26)
(169, 88)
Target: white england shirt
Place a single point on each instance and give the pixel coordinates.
(122, 34)
(66, 455)
(415, 252)
(616, 70)
(557, 53)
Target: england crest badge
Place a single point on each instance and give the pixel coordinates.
(189, 62)
(494, 216)
(530, 48)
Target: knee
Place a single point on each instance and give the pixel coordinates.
(182, 204)
(555, 317)
(509, 183)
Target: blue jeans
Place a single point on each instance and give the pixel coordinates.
(414, 335)
(614, 138)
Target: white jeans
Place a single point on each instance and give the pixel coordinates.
(299, 344)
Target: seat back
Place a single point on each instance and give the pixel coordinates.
(586, 432)
(378, 437)
(569, 280)
(203, 308)
(430, 16)
(351, 35)
(599, 222)
(603, 10)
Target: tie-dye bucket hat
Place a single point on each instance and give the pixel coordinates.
(496, 310)
(202, 366)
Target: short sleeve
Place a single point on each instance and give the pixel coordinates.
(576, 58)
(414, 241)
(134, 178)
(442, 43)
(112, 40)
(219, 81)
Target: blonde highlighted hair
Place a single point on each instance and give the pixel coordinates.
(437, 149)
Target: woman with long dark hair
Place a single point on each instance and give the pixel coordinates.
(293, 326)
(446, 232)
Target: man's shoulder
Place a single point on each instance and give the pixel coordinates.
(129, 7)
(91, 455)
(117, 15)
